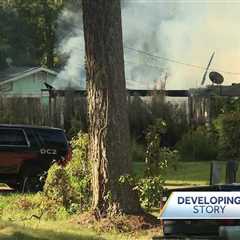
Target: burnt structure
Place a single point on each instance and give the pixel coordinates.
(199, 99)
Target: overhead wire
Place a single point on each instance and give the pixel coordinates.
(156, 57)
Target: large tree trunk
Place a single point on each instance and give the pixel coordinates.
(107, 107)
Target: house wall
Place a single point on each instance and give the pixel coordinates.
(29, 86)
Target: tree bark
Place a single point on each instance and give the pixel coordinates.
(107, 107)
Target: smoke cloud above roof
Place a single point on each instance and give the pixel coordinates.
(180, 33)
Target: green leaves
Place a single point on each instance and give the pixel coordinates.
(28, 30)
(150, 190)
(229, 132)
(199, 144)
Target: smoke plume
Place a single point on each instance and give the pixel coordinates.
(188, 32)
(184, 31)
(72, 48)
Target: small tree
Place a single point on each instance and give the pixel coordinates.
(153, 139)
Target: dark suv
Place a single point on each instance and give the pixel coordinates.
(27, 152)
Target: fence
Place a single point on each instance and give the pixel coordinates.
(67, 112)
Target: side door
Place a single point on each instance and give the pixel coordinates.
(14, 149)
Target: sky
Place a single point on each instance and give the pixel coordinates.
(163, 39)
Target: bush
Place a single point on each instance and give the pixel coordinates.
(70, 187)
(143, 112)
(169, 158)
(79, 169)
(150, 190)
(229, 135)
(200, 144)
(58, 188)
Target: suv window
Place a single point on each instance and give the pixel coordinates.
(12, 137)
(52, 138)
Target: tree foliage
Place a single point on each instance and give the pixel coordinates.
(200, 144)
(28, 31)
(229, 135)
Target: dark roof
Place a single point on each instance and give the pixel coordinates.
(14, 71)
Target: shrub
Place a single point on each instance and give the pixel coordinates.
(58, 188)
(150, 190)
(69, 187)
(169, 158)
(79, 169)
(143, 112)
(229, 135)
(200, 144)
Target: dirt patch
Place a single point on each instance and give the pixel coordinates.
(120, 223)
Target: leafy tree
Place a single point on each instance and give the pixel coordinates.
(29, 31)
(14, 41)
(41, 18)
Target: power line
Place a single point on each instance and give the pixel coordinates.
(145, 64)
(155, 57)
(131, 62)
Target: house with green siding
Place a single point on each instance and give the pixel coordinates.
(26, 82)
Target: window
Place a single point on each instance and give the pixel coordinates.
(12, 137)
(52, 137)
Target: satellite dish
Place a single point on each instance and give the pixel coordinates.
(216, 77)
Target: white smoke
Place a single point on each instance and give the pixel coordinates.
(71, 46)
(186, 31)
(142, 31)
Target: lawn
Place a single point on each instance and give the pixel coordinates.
(187, 173)
(15, 212)
(62, 230)
(15, 223)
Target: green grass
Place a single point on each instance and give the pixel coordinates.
(63, 230)
(45, 231)
(16, 224)
(187, 173)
